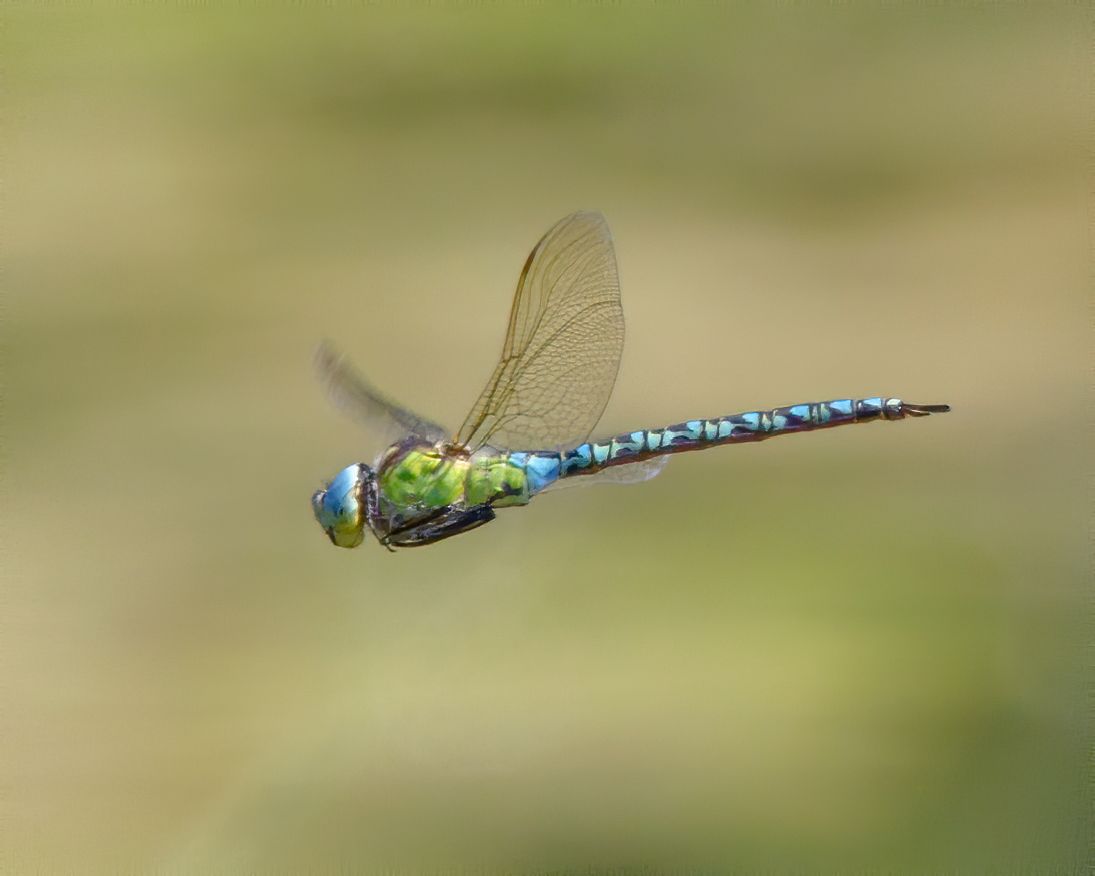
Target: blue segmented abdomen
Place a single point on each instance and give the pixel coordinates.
(545, 467)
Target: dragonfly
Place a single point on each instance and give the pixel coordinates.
(529, 431)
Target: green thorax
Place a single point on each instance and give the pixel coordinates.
(423, 478)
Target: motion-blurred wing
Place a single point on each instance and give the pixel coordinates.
(563, 345)
(385, 421)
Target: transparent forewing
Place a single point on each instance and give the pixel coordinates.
(631, 473)
(563, 345)
(384, 420)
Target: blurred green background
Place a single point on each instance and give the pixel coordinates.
(854, 650)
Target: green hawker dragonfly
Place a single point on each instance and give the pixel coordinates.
(529, 430)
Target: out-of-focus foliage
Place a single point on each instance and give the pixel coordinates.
(857, 649)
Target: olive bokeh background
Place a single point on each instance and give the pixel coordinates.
(857, 649)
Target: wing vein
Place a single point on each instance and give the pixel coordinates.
(563, 343)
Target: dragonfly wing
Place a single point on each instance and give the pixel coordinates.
(385, 421)
(563, 345)
(631, 473)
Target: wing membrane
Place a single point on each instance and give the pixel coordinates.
(385, 421)
(562, 348)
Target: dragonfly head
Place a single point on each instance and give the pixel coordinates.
(342, 508)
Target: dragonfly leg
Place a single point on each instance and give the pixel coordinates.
(414, 523)
(452, 521)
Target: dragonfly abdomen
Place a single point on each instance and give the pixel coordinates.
(594, 456)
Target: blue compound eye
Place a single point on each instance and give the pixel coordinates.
(339, 509)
